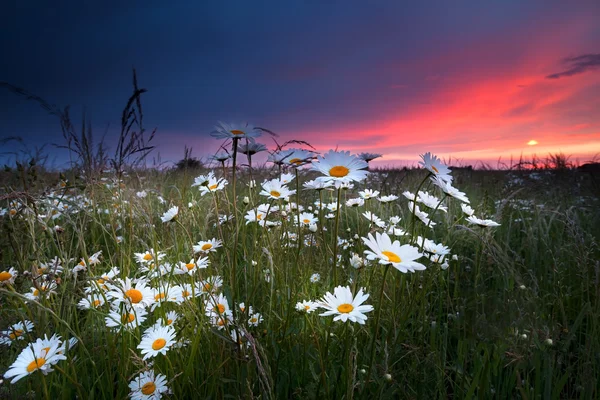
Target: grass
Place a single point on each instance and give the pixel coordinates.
(516, 315)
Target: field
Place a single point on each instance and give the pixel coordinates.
(223, 297)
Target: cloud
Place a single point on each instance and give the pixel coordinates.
(578, 65)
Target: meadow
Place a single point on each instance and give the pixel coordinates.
(286, 280)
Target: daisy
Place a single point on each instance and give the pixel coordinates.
(156, 339)
(170, 215)
(356, 261)
(91, 301)
(213, 185)
(257, 215)
(162, 295)
(169, 320)
(388, 252)
(255, 319)
(203, 180)
(275, 189)
(221, 156)
(251, 148)
(128, 318)
(388, 199)
(482, 222)
(207, 246)
(298, 157)
(344, 306)
(235, 131)
(114, 271)
(216, 305)
(138, 296)
(358, 202)
(467, 209)
(45, 289)
(220, 321)
(340, 167)
(431, 201)
(368, 194)
(450, 190)
(422, 215)
(286, 178)
(306, 219)
(435, 166)
(148, 386)
(374, 219)
(15, 332)
(431, 247)
(369, 156)
(8, 277)
(149, 256)
(40, 355)
(185, 292)
(211, 284)
(306, 306)
(316, 277)
(191, 267)
(317, 185)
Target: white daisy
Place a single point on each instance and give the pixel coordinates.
(128, 318)
(235, 131)
(207, 246)
(170, 215)
(148, 386)
(388, 252)
(482, 222)
(124, 291)
(274, 189)
(15, 332)
(344, 306)
(435, 166)
(340, 167)
(157, 340)
(255, 319)
(306, 306)
(41, 355)
(450, 190)
(8, 277)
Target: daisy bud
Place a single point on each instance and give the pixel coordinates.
(387, 377)
(522, 287)
(312, 227)
(246, 200)
(524, 336)
(363, 371)
(548, 342)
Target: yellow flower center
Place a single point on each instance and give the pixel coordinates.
(206, 246)
(253, 319)
(221, 308)
(100, 281)
(213, 187)
(82, 263)
(13, 212)
(275, 193)
(296, 161)
(158, 344)
(339, 171)
(207, 286)
(159, 296)
(259, 217)
(148, 257)
(345, 308)
(148, 388)
(169, 321)
(185, 293)
(36, 292)
(306, 220)
(190, 266)
(221, 322)
(96, 303)
(435, 169)
(237, 132)
(35, 364)
(135, 295)
(4, 276)
(307, 308)
(393, 257)
(15, 334)
(127, 318)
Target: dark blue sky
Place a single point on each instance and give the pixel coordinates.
(370, 76)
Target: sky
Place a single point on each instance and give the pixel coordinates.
(469, 81)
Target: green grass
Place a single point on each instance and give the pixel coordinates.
(480, 329)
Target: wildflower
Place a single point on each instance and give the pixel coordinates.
(255, 319)
(306, 219)
(142, 194)
(450, 190)
(149, 386)
(286, 178)
(15, 332)
(340, 167)
(548, 342)
(401, 257)
(358, 202)
(40, 355)
(368, 194)
(298, 157)
(356, 261)
(148, 257)
(482, 222)
(207, 246)
(163, 295)
(432, 247)
(211, 284)
(91, 301)
(422, 215)
(344, 306)
(274, 189)
(467, 209)
(171, 317)
(435, 166)
(128, 318)
(236, 131)
(314, 278)
(156, 339)
(388, 199)
(185, 292)
(306, 306)
(221, 156)
(216, 305)
(170, 215)
(213, 185)
(374, 219)
(124, 291)
(317, 185)
(203, 180)
(369, 156)
(251, 148)
(431, 201)
(8, 277)
(44, 289)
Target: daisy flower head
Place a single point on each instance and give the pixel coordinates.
(92, 300)
(485, 223)
(191, 267)
(357, 202)
(340, 167)
(431, 201)
(15, 332)
(185, 292)
(306, 219)
(148, 386)
(157, 340)
(298, 157)
(138, 295)
(170, 319)
(388, 198)
(214, 185)
(435, 166)
(203, 180)
(374, 219)
(316, 277)
(221, 156)
(286, 178)
(127, 317)
(275, 189)
(207, 246)
(163, 295)
(217, 305)
(8, 277)
(467, 209)
(345, 306)
(148, 257)
(387, 252)
(170, 215)
(306, 306)
(251, 148)
(317, 185)
(40, 355)
(236, 131)
(255, 319)
(211, 284)
(369, 156)
(368, 194)
(450, 190)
